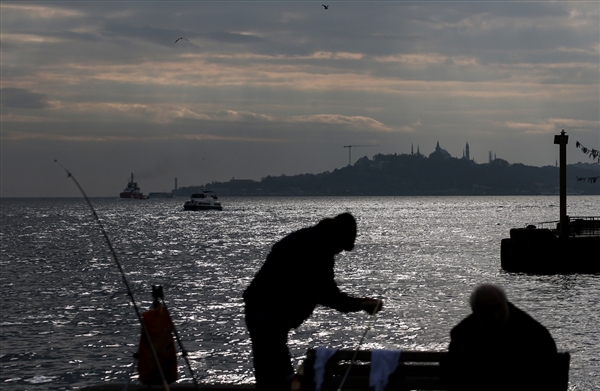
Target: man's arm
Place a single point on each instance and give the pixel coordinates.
(333, 298)
(371, 306)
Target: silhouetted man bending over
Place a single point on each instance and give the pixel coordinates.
(498, 347)
(297, 275)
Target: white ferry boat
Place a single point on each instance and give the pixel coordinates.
(206, 200)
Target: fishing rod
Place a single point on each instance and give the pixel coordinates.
(373, 314)
(129, 292)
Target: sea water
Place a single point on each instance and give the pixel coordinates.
(67, 321)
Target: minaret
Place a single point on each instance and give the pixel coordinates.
(467, 152)
(412, 151)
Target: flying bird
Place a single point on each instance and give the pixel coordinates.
(178, 39)
(325, 6)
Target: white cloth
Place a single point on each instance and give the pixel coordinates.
(383, 363)
(323, 355)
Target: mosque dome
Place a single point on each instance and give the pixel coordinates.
(439, 153)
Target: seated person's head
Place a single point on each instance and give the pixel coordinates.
(490, 305)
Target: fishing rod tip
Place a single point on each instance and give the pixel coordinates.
(69, 175)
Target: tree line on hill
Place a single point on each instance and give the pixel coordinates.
(410, 174)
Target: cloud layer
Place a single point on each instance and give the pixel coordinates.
(270, 88)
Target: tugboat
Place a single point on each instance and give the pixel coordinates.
(133, 191)
(572, 247)
(206, 200)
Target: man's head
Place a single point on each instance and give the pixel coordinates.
(490, 305)
(340, 232)
(347, 230)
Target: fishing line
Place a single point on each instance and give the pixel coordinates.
(374, 316)
(129, 292)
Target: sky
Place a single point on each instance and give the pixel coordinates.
(259, 88)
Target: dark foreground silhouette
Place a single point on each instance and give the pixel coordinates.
(296, 277)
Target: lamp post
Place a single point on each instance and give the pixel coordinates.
(562, 140)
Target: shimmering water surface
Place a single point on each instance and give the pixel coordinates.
(67, 321)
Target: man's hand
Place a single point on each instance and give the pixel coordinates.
(372, 306)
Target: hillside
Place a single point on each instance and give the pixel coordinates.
(387, 175)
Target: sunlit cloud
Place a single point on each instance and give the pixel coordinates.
(201, 70)
(357, 122)
(576, 123)
(413, 59)
(248, 33)
(203, 74)
(592, 49)
(29, 38)
(530, 128)
(552, 125)
(168, 114)
(412, 127)
(152, 113)
(334, 56)
(551, 66)
(30, 11)
(231, 115)
(163, 114)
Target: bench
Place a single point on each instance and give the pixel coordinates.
(417, 370)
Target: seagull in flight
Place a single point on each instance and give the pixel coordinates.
(178, 39)
(325, 6)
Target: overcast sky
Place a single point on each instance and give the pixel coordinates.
(260, 88)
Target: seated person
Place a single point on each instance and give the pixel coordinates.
(498, 347)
